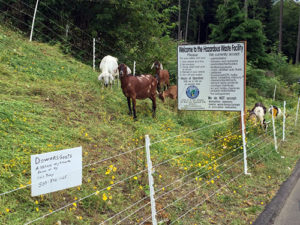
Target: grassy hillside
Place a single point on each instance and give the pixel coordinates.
(49, 101)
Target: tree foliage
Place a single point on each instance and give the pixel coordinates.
(290, 27)
(233, 27)
(145, 30)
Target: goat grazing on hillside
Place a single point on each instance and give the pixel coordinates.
(259, 110)
(162, 76)
(276, 111)
(137, 87)
(109, 70)
(171, 92)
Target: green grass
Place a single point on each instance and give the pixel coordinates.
(49, 101)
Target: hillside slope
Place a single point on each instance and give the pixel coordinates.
(49, 101)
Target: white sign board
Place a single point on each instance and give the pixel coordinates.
(211, 76)
(55, 171)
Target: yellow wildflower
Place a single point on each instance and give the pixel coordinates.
(104, 197)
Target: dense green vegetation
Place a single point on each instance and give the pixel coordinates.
(50, 100)
(145, 30)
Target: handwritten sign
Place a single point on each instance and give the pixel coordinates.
(211, 76)
(54, 171)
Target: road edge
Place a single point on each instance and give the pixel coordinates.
(272, 210)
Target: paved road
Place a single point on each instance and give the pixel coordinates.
(284, 209)
(290, 213)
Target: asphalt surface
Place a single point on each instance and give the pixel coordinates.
(290, 213)
(284, 209)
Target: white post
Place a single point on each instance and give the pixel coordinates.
(33, 19)
(274, 93)
(244, 143)
(67, 30)
(94, 50)
(150, 178)
(274, 129)
(283, 128)
(297, 111)
(133, 68)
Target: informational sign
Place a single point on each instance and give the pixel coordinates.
(55, 171)
(211, 76)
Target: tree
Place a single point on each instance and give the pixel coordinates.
(289, 28)
(179, 22)
(187, 20)
(233, 27)
(298, 42)
(280, 26)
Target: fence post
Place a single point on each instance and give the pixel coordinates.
(297, 110)
(150, 178)
(274, 129)
(33, 19)
(67, 30)
(133, 68)
(94, 50)
(283, 128)
(274, 93)
(244, 143)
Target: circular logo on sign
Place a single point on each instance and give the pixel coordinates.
(192, 92)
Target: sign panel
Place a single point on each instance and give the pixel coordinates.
(211, 76)
(55, 171)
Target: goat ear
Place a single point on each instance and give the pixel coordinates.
(128, 70)
(152, 65)
(161, 67)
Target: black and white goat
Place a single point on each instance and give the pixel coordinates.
(276, 111)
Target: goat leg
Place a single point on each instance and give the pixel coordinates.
(133, 107)
(153, 106)
(129, 106)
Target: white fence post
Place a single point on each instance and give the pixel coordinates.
(274, 93)
(33, 20)
(150, 178)
(133, 68)
(283, 128)
(274, 129)
(67, 30)
(94, 50)
(297, 110)
(244, 143)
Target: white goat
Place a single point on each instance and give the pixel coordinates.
(260, 111)
(109, 70)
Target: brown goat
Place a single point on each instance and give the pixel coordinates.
(162, 76)
(137, 87)
(171, 92)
